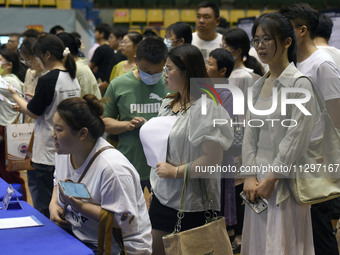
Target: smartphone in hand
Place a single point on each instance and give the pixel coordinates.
(258, 206)
(75, 189)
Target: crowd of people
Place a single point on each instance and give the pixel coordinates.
(144, 95)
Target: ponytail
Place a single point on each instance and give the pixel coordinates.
(56, 47)
(70, 66)
(252, 63)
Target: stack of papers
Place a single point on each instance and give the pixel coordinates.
(20, 222)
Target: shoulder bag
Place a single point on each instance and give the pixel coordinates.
(211, 238)
(317, 174)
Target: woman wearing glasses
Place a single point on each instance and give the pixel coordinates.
(285, 227)
(128, 48)
(191, 142)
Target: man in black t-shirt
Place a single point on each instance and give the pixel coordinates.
(116, 36)
(102, 61)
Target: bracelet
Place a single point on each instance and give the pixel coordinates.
(177, 168)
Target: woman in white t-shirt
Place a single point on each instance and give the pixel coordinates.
(58, 83)
(111, 180)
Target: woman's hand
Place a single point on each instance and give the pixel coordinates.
(56, 215)
(29, 95)
(11, 89)
(249, 188)
(166, 170)
(266, 187)
(75, 203)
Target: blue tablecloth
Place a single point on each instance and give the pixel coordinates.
(3, 191)
(48, 239)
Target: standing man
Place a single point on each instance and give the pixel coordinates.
(136, 97)
(101, 63)
(321, 69)
(13, 42)
(116, 36)
(323, 34)
(206, 38)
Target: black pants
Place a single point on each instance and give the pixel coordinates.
(239, 210)
(324, 240)
(40, 184)
(165, 218)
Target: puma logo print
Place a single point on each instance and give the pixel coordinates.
(155, 96)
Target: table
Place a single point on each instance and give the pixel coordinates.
(48, 239)
(3, 190)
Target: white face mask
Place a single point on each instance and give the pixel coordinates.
(150, 79)
(168, 44)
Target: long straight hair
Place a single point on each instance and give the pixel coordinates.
(279, 27)
(189, 59)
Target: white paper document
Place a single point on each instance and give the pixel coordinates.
(154, 137)
(20, 222)
(4, 85)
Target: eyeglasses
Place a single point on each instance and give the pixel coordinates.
(26, 62)
(123, 42)
(264, 41)
(167, 70)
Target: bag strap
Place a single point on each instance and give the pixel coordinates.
(85, 171)
(180, 214)
(320, 101)
(317, 93)
(17, 117)
(91, 161)
(186, 177)
(105, 232)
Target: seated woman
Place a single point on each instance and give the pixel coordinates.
(111, 180)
